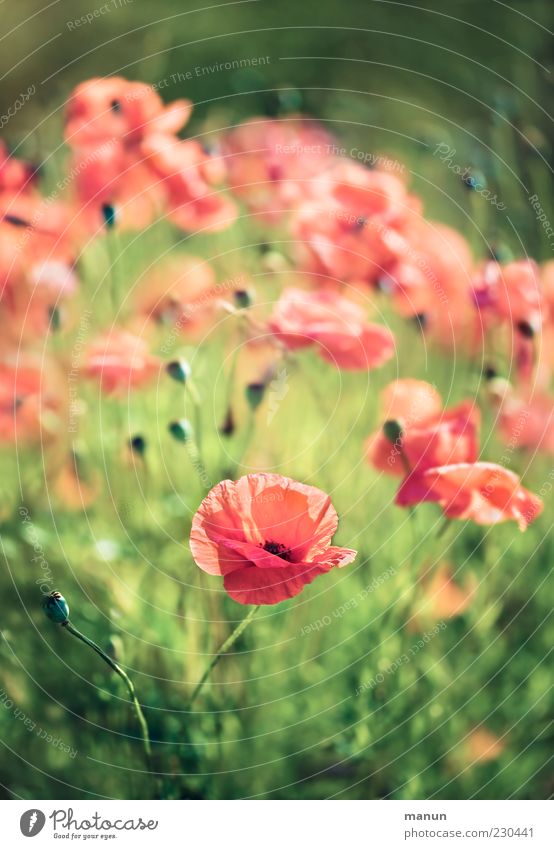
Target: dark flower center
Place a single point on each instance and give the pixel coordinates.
(278, 549)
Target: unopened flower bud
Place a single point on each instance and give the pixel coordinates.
(179, 370)
(392, 430)
(180, 430)
(109, 215)
(255, 394)
(56, 608)
(243, 298)
(421, 320)
(228, 426)
(137, 444)
(501, 252)
(474, 179)
(526, 329)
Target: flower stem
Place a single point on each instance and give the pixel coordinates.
(228, 644)
(197, 407)
(123, 675)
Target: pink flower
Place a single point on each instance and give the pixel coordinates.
(120, 361)
(354, 227)
(483, 492)
(271, 163)
(450, 437)
(336, 325)
(267, 535)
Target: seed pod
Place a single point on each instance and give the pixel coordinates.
(109, 215)
(137, 444)
(180, 430)
(56, 608)
(243, 298)
(178, 370)
(255, 394)
(393, 430)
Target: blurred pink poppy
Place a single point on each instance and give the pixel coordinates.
(355, 225)
(336, 325)
(31, 401)
(448, 437)
(483, 492)
(190, 177)
(526, 420)
(120, 361)
(511, 292)
(182, 293)
(127, 155)
(271, 163)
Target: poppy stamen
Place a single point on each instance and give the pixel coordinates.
(278, 549)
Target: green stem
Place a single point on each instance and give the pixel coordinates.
(197, 406)
(445, 526)
(229, 643)
(115, 288)
(247, 439)
(123, 675)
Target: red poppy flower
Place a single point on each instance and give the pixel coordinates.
(511, 292)
(271, 163)
(108, 120)
(447, 438)
(31, 402)
(190, 177)
(432, 279)
(526, 420)
(127, 153)
(16, 175)
(410, 401)
(181, 292)
(483, 492)
(108, 108)
(338, 326)
(267, 535)
(353, 227)
(442, 596)
(120, 361)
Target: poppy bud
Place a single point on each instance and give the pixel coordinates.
(255, 394)
(179, 370)
(421, 320)
(56, 608)
(243, 298)
(392, 430)
(16, 221)
(137, 444)
(526, 329)
(290, 100)
(474, 179)
(108, 213)
(228, 426)
(501, 253)
(180, 430)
